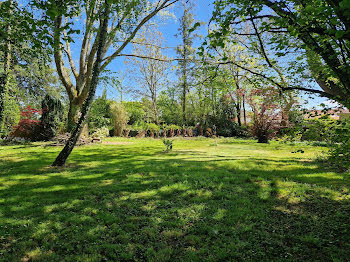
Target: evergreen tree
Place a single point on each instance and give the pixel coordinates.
(185, 53)
(52, 114)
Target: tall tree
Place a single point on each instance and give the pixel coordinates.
(21, 46)
(151, 64)
(299, 30)
(119, 20)
(101, 38)
(238, 54)
(114, 82)
(7, 61)
(126, 18)
(185, 52)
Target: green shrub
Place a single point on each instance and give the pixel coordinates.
(101, 133)
(174, 127)
(138, 126)
(133, 132)
(324, 131)
(99, 115)
(119, 118)
(11, 114)
(292, 138)
(152, 127)
(135, 112)
(232, 129)
(9, 141)
(339, 154)
(320, 129)
(52, 115)
(312, 130)
(152, 130)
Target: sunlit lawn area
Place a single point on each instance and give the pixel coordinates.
(130, 201)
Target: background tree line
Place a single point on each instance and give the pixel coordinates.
(246, 77)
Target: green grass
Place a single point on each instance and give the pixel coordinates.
(234, 201)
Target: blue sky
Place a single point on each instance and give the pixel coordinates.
(202, 12)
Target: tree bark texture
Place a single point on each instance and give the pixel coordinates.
(64, 154)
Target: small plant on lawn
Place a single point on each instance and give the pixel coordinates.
(168, 144)
(215, 143)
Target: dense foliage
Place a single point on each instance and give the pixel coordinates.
(316, 33)
(12, 110)
(339, 155)
(51, 118)
(119, 118)
(29, 124)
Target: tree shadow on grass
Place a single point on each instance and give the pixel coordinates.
(130, 203)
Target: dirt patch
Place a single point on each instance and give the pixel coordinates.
(117, 143)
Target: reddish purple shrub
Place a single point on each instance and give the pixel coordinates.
(29, 125)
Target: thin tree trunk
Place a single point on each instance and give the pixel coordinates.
(244, 111)
(64, 154)
(184, 103)
(238, 104)
(238, 109)
(184, 76)
(155, 108)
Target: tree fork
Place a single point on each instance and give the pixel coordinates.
(66, 151)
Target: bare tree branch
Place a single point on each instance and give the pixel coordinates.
(165, 4)
(281, 86)
(59, 59)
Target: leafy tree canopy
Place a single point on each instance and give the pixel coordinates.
(315, 32)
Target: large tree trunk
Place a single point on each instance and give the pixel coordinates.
(75, 109)
(64, 154)
(78, 92)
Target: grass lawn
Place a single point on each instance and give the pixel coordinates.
(234, 201)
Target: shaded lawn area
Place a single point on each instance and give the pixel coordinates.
(236, 201)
